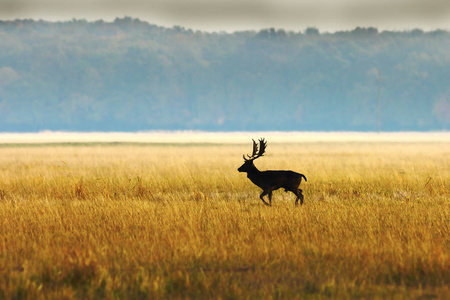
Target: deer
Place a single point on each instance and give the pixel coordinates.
(271, 180)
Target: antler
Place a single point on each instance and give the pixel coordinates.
(256, 153)
(262, 147)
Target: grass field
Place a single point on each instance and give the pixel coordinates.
(149, 221)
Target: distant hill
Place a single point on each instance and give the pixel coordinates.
(129, 75)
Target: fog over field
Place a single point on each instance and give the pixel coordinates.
(181, 137)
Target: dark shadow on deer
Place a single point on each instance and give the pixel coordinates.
(270, 181)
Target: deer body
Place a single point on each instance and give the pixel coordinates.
(270, 181)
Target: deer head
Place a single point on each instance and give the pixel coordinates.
(248, 164)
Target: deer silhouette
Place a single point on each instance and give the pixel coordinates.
(270, 181)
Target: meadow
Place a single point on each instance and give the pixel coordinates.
(177, 221)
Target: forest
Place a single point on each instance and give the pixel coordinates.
(130, 75)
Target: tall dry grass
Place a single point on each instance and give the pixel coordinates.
(179, 221)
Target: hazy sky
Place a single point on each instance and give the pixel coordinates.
(231, 15)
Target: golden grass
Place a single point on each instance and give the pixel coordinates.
(168, 221)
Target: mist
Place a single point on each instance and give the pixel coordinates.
(129, 75)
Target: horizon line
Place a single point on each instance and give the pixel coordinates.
(214, 137)
(259, 29)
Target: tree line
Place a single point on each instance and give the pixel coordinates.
(130, 75)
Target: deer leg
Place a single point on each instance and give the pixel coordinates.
(261, 197)
(300, 197)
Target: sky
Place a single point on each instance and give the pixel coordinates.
(238, 15)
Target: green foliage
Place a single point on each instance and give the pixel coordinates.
(130, 75)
